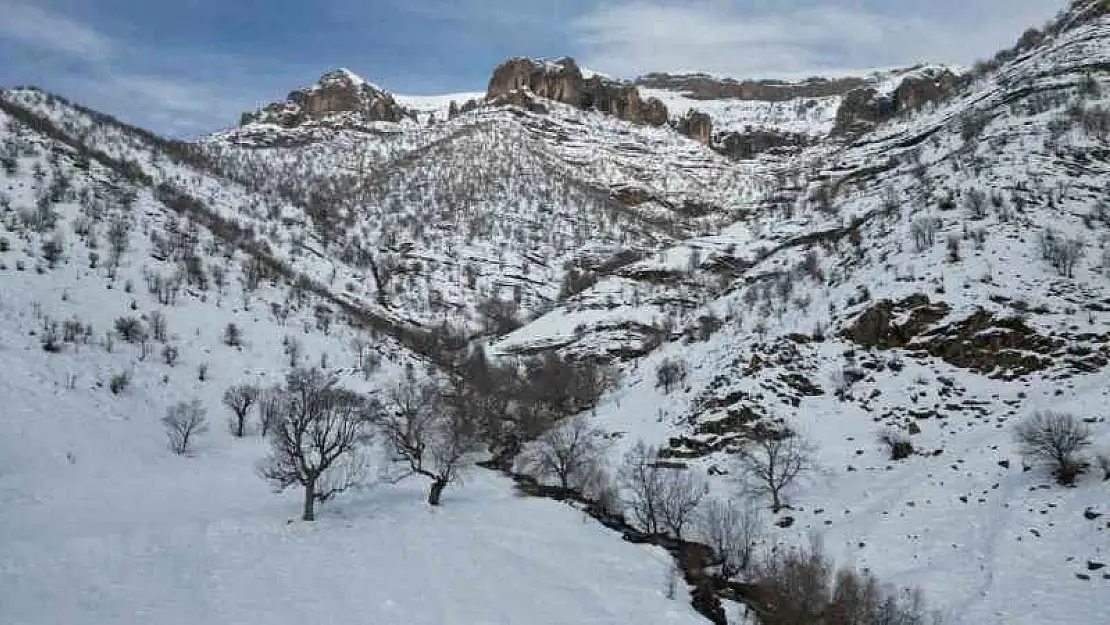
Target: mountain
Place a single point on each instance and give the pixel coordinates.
(899, 267)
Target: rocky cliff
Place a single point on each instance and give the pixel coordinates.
(864, 108)
(563, 81)
(338, 92)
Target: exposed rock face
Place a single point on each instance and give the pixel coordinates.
(862, 109)
(337, 92)
(745, 145)
(917, 91)
(705, 87)
(563, 81)
(696, 125)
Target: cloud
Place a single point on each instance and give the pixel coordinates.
(46, 30)
(183, 93)
(633, 37)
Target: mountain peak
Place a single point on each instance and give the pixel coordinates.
(343, 77)
(340, 95)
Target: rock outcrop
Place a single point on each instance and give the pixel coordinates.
(751, 143)
(706, 87)
(863, 109)
(337, 93)
(563, 81)
(696, 125)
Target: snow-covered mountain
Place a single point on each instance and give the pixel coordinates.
(919, 253)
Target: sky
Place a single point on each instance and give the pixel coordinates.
(187, 67)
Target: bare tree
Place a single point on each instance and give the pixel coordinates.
(664, 497)
(731, 529)
(1063, 254)
(316, 438)
(269, 408)
(184, 421)
(240, 399)
(670, 373)
(772, 463)
(1055, 438)
(428, 434)
(572, 452)
(683, 490)
(639, 474)
(119, 235)
(800, 586)
(924, 232)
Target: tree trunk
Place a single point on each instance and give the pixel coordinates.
(436, 491)
(309, 501)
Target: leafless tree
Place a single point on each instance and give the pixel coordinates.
(773, 462)
(269, 408)
(572, 452)
(119, 235)
(683, 491)
(731, 529)
(924, 232)
(429, 435)
(670, 373)
(239, 399)
(640, 474)
(316, 439)
(1056, 438)
(184, 421)
(664, 498)
(800, 586)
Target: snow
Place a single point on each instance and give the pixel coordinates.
(436, 104)
(102, 524)
(813, 117)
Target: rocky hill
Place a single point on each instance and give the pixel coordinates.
(918, 255)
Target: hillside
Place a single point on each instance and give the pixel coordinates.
(699, 264)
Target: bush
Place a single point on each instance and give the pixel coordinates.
(670, 373)
(731, 530)
(897, 443)
(1055, 438)
(130, 329)
(119, 382)
(49, 336)
(801, 586)
(233, 336)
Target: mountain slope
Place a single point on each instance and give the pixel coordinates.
(103, 524)
(902, 283)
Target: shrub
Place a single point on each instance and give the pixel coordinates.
(119, 382)
(898, 444)
(1055, 438)
(670, 373)
(731, 530)
(233, 336)
(130, 329)
(801, 586)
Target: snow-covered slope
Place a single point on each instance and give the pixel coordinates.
(897, 280)
(102, 524)
(831, 311)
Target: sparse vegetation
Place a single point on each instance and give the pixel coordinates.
(316, 437)
(772, 463)
(184, 422)
(1055, 438)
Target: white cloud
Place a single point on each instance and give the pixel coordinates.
(633, 37)
(35, 26)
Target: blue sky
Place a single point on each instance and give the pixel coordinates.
(185, 67)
